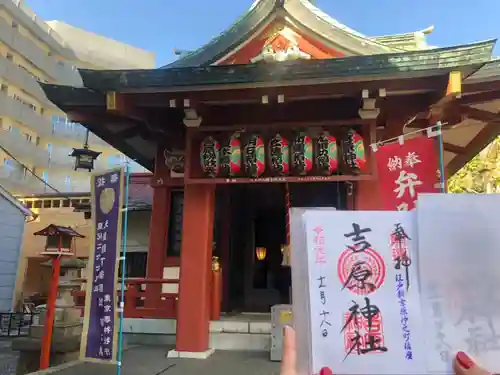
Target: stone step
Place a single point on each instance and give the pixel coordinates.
(230, 334)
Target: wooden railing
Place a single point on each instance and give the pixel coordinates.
(141, 303)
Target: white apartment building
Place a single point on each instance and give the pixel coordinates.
(35, 136)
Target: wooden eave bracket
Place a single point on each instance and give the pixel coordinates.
(369, 110)
(191, 118)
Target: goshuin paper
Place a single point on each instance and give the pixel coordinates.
(364, 314)
(459, 260)
(357, 275)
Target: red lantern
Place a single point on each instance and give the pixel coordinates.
(326, 153)
(302, 154)
(255, 156)
(209, 156)
(231, 156)
(279, 155)
(353, 150)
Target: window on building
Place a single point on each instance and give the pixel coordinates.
(66, 203)
(47, 203)
(56, 203)
(174, 241)
(20, 100)
(136, 265)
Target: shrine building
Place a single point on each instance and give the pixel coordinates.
(278, 111)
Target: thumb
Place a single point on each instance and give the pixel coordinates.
(289, 359)
(465, 365)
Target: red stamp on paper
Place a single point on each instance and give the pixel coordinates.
(362, 272)
(363, 333)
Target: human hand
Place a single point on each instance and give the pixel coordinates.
(289, 360)
(464, 365)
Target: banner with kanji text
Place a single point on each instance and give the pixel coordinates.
(406, 169)
(100, 326)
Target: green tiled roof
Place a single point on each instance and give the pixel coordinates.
(302, 12)
(417, 63)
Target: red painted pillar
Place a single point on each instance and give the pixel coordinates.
(49, 314)
(368, 196)
(196, 269)
(158, 228)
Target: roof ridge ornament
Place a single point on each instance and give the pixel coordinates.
(291, 53)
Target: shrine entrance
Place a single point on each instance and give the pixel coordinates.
(256, 277)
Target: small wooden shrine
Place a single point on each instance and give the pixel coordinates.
(278, 111)
(59, 240)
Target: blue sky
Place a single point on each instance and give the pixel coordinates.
(162, 25)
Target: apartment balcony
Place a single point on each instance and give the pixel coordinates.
(78, 183)
(19, 146)
(23, 79)
(25, 115)
(63, 129)
(37, 26)
(58, 71)
(18, 181)
(60, 159)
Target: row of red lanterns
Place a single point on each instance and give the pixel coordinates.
(230, 158)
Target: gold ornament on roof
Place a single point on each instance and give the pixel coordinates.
(215, 264)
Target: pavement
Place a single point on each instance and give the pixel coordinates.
(146, 360)
(8, 358)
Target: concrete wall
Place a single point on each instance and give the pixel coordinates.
(101, 51)
(11, 234)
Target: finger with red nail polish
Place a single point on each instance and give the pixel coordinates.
(463, 364)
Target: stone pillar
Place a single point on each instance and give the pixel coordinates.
(193, 311)
(158, 228)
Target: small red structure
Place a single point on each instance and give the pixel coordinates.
(58, 244)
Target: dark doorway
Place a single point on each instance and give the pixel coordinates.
(257, 220)
(256, 217)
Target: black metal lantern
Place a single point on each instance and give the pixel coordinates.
(84, 157)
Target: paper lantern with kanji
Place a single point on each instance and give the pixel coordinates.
(255, 156)
(279, 155)
(302, 154)
(353, 150)
(326, 153)
(209, 156)
(231, 156)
